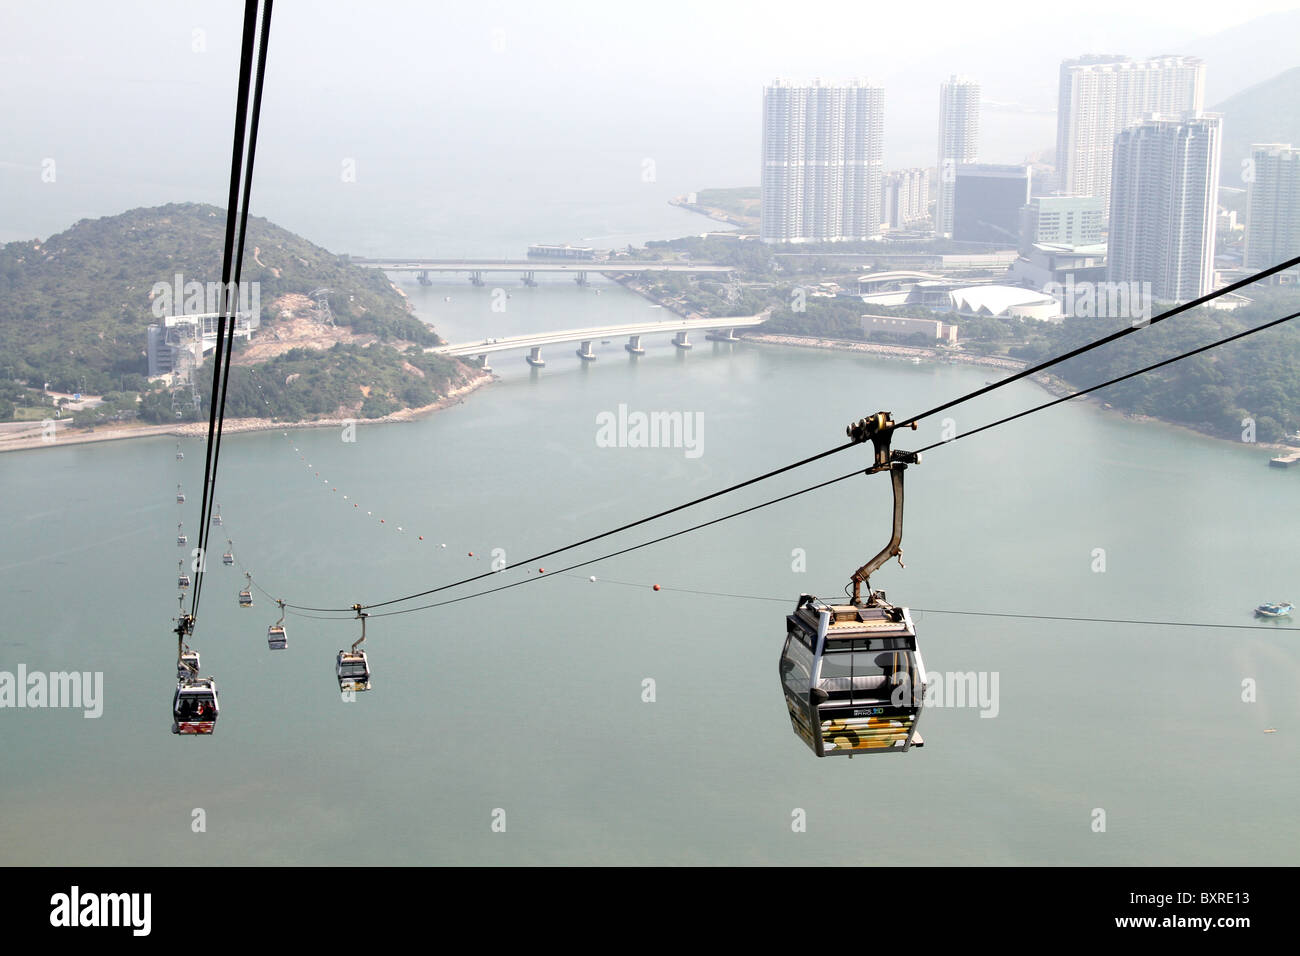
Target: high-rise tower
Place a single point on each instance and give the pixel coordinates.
(1101, 95)
(823, 161)
(1163, 204)
(959, 133)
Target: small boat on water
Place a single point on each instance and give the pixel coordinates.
(1282, 609)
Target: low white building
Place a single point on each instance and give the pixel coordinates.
(899, 325)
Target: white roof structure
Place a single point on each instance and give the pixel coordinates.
(1005, 301)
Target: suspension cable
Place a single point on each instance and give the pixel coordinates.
(231, 267)
(597, 537)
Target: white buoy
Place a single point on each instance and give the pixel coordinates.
(592, 579)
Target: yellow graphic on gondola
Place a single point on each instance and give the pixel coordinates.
(872, 733)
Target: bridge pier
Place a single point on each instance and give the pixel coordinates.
(634, 345)
(530, 279)
(682, 340)
(534, 357)
(585, 353)
(476, 277)
(483, 363)
(581, 278)
(717, 335)
(424, 279)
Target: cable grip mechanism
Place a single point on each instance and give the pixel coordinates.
(879, 430)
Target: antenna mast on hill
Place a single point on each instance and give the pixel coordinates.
(321, 298)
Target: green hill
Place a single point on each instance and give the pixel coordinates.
(75, 309)
(1265, 113)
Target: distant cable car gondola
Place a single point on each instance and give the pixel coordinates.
(352, 667)
(276, 638)
(246, 595)
(182, 579)
(181, 540)
(180, 455)
(188, 665)
(229, 557)
(852, 674)
(216, 517)
(180, 496)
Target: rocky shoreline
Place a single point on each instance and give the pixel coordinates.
(26, 436)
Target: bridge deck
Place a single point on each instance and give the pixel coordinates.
(594, 334)
(538, 265)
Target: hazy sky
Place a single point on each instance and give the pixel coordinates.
(135, 99)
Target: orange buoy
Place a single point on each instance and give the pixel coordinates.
(656, 587)
(471, 554)
(421, 537)
(541, 570)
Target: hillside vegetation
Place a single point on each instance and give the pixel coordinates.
(75, 309)
(1257, 378)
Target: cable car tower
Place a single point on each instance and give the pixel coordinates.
(852, 674)
(321, 299)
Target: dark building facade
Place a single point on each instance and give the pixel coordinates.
(987, 200)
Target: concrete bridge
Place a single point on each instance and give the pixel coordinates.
(717, 329)
(528, 268)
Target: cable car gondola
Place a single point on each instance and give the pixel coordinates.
(180, 455)
(276, 638)
(246, 595)
(216, 517)
(229, 557)
(182, 579)
(180, 496)
(187, 667)
(853, 678)
(352, 667)
(181, 540)
(852, 675)
(195, 706)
